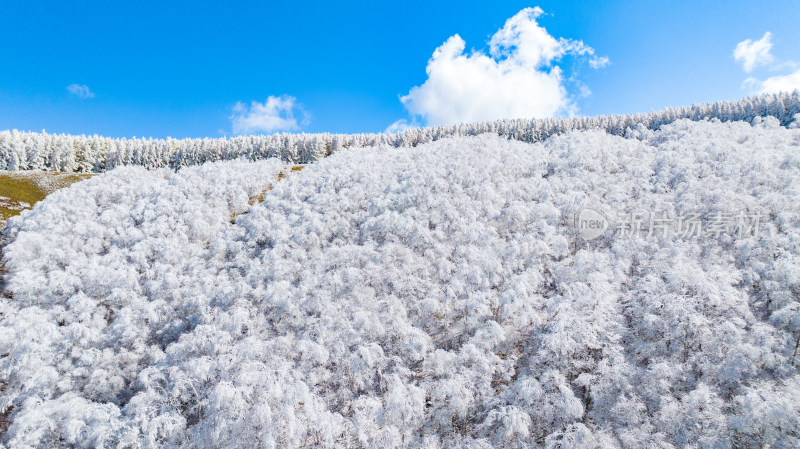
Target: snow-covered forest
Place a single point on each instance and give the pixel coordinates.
(67, 153)
(430, 296)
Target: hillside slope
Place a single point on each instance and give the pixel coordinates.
(21, 190)
(437, 296)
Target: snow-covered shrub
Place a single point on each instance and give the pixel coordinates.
(436, 296)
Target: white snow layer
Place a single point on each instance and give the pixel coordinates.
(436, 296)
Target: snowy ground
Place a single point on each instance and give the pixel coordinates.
(438, 296)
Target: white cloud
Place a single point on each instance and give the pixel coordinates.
(80, 90)
(757, 53)
(518, 78)
(754, 53)
(399, 126)
(774, 84)
(784, 83)
(275, 114)
(522, 39)
(598, 61)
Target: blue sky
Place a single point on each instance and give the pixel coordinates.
(180, 69)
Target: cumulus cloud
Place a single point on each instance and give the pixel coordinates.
(784, 83)
(399, 126)
(275, 114)
(517, 78)
(758, 53)
(774, 84)
(754, 53)
(80, 90)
